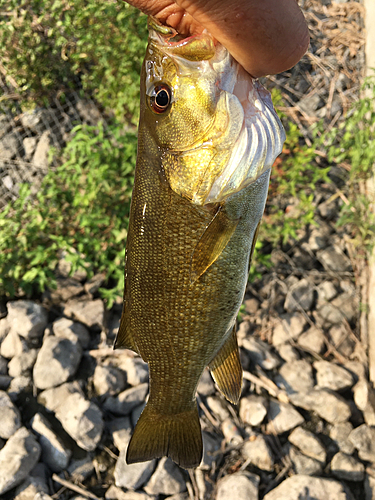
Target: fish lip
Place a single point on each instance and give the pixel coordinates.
(169, 40)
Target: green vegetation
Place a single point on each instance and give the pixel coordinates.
(48, 46)
(83, 206)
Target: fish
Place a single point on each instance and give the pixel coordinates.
(207, 138)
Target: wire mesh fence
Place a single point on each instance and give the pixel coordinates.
(29, 140)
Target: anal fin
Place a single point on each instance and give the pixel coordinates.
(124, 338)
(226, 369)
(211, 244)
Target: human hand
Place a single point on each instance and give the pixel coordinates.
(264, 36)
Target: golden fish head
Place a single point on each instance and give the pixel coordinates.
(214, 125)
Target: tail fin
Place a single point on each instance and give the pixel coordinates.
(176, 436)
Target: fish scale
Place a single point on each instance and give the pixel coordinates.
(187, 262)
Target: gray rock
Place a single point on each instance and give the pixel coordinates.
(136, 370)
(5, 381)
(357, 368)
(179, 496)
(54, 453)
(339, 338)
(166, 480)
(308, 443)
(283, 417)
(40, 157)
(10, 145)
(81, 469)
(36, 120)
(64, 267)
(289, 328)
(258, 452)
(115, 493)
(326, 403)
(300, 295)
(218, 408)
(206, 386)
(211, 446)
(76, 332)
(4, 328)
(326, 291)
(113, 326)
(364, 398)
(369, 485)
(313, 340)
(108, 380)
(260, 353)
(29, 145)
(317, 239)
(41, 474)
(332, 376)
(253, 409)
(66, 288)
(121, 431)
(82, 420)
(127, 400)
(58, 359)
(345, 467)
(94, 283)
(363, 439)
(30, 489)
(18, 385)
(22, 363)
(3, 366)
(251, 305)
(303, 464)
(53, 398)
(339, 433)
(231, 432)
(88, 312)
(5, 125)
(12, 345)
(347, 303)
(288, 353)
(136, 413)
(88, 111)
(17, 458)
(333, 259)
(132, 476)
(10, 419)
(27, 318)
(296, 376)
(240, 486)
(327, 315)
(301, 487)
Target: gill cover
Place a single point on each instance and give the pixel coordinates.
(218, 131)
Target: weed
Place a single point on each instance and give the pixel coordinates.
(82, 207)
(47, 47)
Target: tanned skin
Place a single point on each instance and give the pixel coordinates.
(265, 36)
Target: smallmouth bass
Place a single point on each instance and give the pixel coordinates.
(208, 136)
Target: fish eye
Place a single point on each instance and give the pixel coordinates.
(160, 98)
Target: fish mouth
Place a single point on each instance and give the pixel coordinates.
(193, 48)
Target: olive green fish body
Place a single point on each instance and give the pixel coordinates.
(187, 257)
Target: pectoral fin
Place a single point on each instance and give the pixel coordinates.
(226, 369)
(212, 243)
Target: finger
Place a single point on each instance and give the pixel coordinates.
(264, 36)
